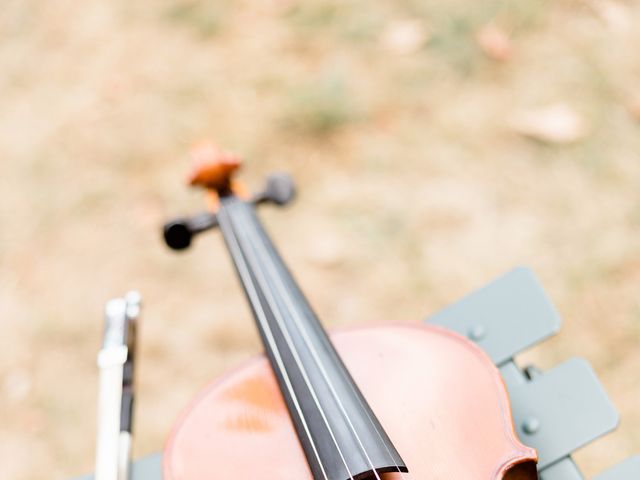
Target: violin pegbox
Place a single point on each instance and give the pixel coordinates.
(214, 169)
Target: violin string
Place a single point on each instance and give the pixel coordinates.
(284, 293)
(272, 265)
(302, 304)
(262, 281)
(245, 275)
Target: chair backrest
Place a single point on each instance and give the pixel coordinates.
(555, 412)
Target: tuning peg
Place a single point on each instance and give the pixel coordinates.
(280, 190)
(179, 232)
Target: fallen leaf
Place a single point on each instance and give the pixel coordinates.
(634, 107)
(17, 385)
(558, 124)
(116, 88)
(404, 37)
(494, 42)
(615, 15)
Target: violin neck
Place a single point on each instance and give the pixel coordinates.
(339, 433)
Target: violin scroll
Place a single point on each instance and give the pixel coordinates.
(213, 170)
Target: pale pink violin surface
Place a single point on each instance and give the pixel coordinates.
(442, 403)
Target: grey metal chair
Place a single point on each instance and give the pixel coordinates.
(556, 412)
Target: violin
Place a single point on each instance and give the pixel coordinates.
(384, 402)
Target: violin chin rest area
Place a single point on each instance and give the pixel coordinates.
(554, 412)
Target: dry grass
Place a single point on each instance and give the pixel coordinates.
(414, 187)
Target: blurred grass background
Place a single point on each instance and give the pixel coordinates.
(435, 145)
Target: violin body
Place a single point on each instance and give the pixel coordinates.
(440, 398)
(394, 402)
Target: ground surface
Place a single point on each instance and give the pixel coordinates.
(435, 144)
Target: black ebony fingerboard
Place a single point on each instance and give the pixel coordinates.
(340, 435)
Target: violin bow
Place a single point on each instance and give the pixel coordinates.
(116, 361)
